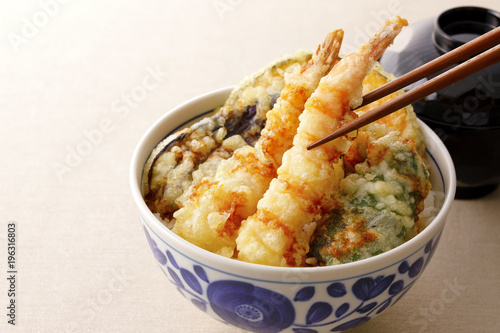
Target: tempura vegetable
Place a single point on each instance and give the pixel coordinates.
(379, 203)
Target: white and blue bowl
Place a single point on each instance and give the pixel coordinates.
(279, 299)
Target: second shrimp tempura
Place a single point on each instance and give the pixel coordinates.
(279, 232)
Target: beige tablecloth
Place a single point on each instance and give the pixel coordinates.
(80, 81)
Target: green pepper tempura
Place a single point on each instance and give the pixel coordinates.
(378, 204)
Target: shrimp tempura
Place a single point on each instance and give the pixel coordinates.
(279, 232)
(213, 210)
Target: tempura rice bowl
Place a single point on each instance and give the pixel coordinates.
(288, 299)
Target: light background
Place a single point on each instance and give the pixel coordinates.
(66, 69)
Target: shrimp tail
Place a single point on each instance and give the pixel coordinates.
(327, 52)
(383, 38)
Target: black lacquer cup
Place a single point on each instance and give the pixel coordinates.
(466, 114)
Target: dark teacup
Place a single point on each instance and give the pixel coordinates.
(466, 115)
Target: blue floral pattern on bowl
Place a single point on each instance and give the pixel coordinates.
(329, 306)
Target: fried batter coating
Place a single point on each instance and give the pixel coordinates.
(211, 212)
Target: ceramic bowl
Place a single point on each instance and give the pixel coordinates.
(279, 299)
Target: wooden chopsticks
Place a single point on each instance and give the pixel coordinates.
(489, 41)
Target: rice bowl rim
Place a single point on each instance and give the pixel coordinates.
(180, 115)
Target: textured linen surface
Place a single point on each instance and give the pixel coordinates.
(81, 81)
